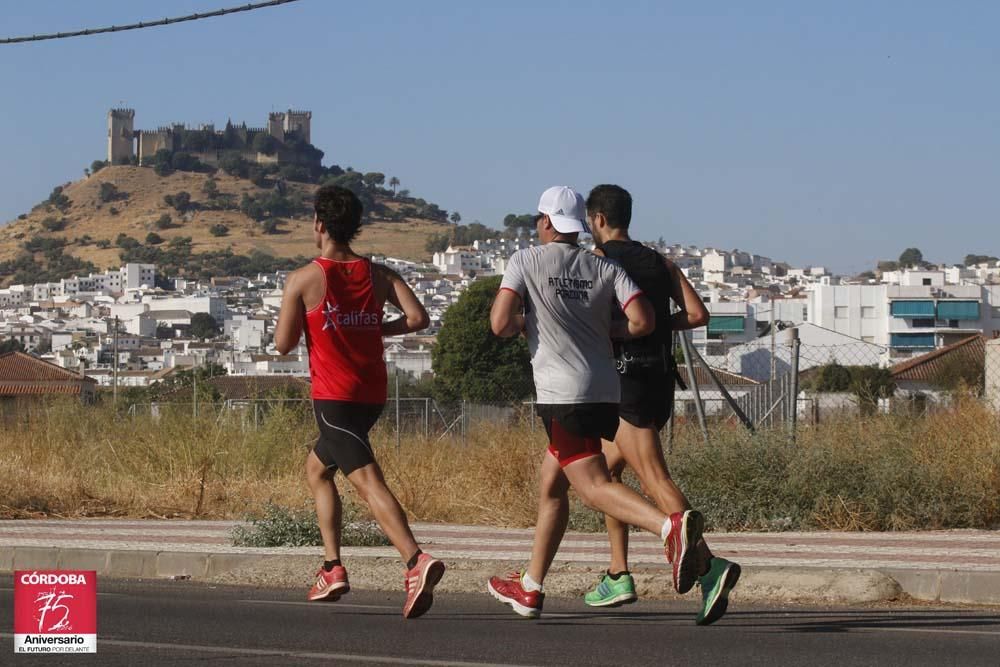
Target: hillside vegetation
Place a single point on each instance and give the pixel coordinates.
(193, 222)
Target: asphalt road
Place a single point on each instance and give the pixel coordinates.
(168, 623)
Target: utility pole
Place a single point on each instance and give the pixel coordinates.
(774, 363)
(114, 365)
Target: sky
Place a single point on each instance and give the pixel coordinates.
(831, 134)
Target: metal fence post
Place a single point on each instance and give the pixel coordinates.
(795, 344)
(397, 408)
(693, 381)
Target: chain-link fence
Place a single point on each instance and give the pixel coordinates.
(766, 383)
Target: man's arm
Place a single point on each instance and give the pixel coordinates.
(291, 317)
(506, 319)
(640, 319)
(414, 316)
(692, 313)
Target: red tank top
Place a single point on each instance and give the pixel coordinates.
(344, 336)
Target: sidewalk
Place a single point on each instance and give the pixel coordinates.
(947, 566)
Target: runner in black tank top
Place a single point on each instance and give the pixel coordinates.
(647, 374)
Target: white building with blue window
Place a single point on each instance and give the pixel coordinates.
(919, 314)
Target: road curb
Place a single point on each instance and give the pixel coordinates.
(758, 584)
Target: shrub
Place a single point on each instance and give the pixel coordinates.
(153, 238)
(103, 244)
(54, 224)
(280, 526)
(109, 192)
(218, 230)
(164, 222)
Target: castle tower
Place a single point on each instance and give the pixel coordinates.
(275, 125)
(299, 121)
(120, 135)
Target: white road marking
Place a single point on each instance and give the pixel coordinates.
(306, 655)
(315, 605)
(940, 631)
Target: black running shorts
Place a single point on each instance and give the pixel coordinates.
(647, 399)
(343, 433)
(575, 430)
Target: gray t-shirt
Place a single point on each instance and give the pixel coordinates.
(569, 295)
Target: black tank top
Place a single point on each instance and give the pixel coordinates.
(646, 267)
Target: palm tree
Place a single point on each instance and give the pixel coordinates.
(456, 217)
(393, 183)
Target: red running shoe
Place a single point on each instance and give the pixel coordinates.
(329, 585)
(685, 531)
(510, 591)
(420, 582)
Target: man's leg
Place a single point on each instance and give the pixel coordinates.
(372, 489)
(553, 517)
(422, 571)
(329, 510)
(643, 452)
(590, 478)
(617, 531)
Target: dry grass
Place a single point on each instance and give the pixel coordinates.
(881, 473)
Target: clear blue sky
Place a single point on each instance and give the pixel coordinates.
(830, 135)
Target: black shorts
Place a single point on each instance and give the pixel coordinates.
(575, 429)
(647, 399)
(343, 433)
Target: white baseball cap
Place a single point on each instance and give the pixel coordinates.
(566, 209)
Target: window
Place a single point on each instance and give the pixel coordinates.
(840, 312)
(925, 322)
(868, 312)
(927, 281)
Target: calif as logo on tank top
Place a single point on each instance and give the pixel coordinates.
(358, 319)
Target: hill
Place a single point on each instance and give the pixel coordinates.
(108, 216)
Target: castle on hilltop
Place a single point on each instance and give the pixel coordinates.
(282, 141)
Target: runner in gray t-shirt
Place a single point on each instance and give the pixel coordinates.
(572, 293)
(568, 295)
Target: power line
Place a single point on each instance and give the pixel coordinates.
(146, 24)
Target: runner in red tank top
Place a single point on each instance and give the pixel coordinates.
(337, 301)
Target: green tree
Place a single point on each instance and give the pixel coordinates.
(163, 162)
(469, 362)
(204, 326)
(972, 260)
(832, 378)
(436, 243)
(218, 230)
(911, 257)
(153, 238)
(58, 199)
(870, 384)
(393, 183)
(525, 221)
(456, 217)
(210, 188)
(373, 179)
(97, 165)
(54, 224)
(10, 345)
(164, 222)
(109, 192)
(180, 201)
(265, 143)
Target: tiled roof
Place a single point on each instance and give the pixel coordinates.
(928, 367)
(24, 374)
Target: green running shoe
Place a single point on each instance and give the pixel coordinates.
(611, 592)
(715, 584)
